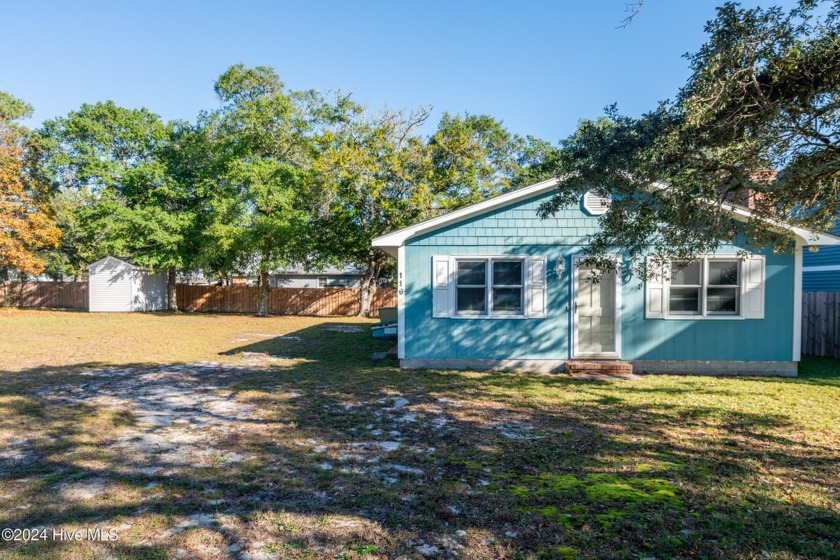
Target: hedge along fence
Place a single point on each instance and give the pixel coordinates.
(821, 324)
(281, 301)
(63, 295)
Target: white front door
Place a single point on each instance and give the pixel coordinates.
(596, 308)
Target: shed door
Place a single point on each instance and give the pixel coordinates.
(110, 289)
(595, 314)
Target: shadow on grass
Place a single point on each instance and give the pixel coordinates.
(332, 453)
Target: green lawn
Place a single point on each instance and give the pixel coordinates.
(282, 438)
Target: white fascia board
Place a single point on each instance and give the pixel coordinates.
(389, 242)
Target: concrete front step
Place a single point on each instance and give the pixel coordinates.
(607, 368)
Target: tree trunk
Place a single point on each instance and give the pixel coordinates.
(368, 289)
(171, 293)
(265, 292)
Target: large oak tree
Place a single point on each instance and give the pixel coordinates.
(757, 124)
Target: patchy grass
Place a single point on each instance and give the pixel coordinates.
(203, 436)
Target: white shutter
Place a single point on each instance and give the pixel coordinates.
(441, 286)
(535, 284)
(656, 284)
(752, 303)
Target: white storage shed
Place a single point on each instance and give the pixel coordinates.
(118, 286)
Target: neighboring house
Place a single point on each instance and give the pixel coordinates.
(117, 285)
(492, 286)
(296, 277)
(821, 268)
(328, 277)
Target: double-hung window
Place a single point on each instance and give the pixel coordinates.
(707, 287)
(490, 286)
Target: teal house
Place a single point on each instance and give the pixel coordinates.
(493, 286)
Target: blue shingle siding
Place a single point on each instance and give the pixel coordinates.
(562, 237)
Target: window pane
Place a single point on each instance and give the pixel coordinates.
(722, 300)
(685, 300)
(507, 273)
(723, 273)
(507, 299)
(682, 273)
(471, 272)
(471, 299)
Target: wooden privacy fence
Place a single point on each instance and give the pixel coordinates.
(281, 301)
(209, 299)
(68, 295)
(821, 324)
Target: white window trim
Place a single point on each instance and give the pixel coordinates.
(488, 288)
(326, 282)
(704, 286)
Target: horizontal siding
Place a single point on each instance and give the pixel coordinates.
(828, 281)
(517, 230)
(822, 281)
(825, 256)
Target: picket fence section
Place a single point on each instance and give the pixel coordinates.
(821, 324)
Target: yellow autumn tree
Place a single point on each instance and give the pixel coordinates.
(25, 225)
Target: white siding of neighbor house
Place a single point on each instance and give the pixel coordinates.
(117, 286)
(309, 281)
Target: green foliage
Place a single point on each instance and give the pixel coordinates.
(474, 157)
(375, 174)
(12, 108)
(114, 194)
(273, 177)
(764, 94)
(263, 143)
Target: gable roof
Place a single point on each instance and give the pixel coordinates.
(391, 242)
(118, 261)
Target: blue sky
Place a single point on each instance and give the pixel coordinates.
(539, 66)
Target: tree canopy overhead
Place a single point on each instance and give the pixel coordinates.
(757, 124)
